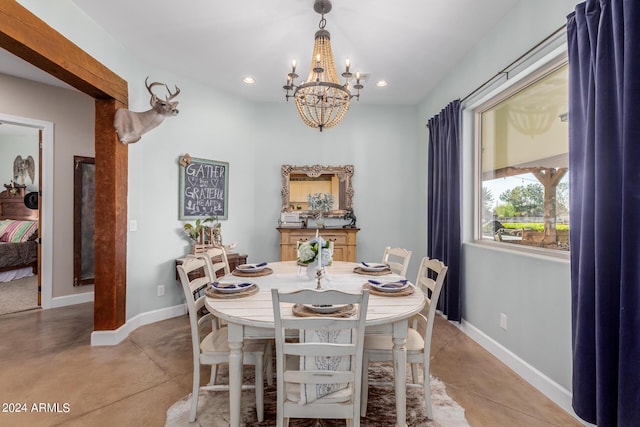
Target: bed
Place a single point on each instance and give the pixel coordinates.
(18, 237)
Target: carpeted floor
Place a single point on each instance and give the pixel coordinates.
(213, 407)
(19, 295)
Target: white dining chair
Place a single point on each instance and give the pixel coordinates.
(217, 266)
(213, 348)
(397, 259)
(379, 348)
(319, 375)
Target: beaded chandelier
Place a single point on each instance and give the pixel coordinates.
(322, 101)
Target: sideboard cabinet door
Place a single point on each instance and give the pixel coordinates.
(344, 242)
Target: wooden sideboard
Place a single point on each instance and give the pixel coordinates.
(233, 259)
(344, 242)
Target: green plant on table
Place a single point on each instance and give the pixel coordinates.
(195, 230)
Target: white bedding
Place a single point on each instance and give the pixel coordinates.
(7, 276)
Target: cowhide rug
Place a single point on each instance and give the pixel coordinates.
(213, 407)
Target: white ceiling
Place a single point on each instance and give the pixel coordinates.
(410, 43)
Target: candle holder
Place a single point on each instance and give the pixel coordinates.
(319, 274)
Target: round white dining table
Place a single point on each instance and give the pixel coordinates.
(251, 317)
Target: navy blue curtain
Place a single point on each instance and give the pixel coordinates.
(443, 199)
(604, 164)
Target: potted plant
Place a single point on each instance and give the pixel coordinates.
(204, 233)
(320, 203)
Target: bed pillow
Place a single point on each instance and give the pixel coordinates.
(3, 224)
(17, 231)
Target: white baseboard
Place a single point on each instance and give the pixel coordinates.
(554, 391)
(99, 338)
(72, 299)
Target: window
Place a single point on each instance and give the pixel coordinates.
(523, 162)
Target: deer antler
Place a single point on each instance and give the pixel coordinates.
(149, 86)
(172, 95)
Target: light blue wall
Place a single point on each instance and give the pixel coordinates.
(533, 291)
(379, 141)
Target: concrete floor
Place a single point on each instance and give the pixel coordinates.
(46, 359)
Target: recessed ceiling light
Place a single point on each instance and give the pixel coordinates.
(382, 83)
(249, 80)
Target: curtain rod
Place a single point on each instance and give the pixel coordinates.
(505, 70)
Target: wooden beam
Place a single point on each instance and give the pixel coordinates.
(28, 37)
(110, 241)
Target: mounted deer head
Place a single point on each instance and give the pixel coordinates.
(130, 126)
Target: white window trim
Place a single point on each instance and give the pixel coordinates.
(533, 67)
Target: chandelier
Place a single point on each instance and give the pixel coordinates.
(532, 120)
(322, 101)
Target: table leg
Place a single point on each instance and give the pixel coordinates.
(400, 370)
(235, 334)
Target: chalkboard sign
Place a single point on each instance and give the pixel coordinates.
(204, 188)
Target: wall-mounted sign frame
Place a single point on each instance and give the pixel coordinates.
(204, 188)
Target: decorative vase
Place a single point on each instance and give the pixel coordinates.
(319, 219)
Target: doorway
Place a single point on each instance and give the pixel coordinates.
(44, 131)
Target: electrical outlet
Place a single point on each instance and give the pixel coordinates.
(160, 290)
(133, 225)
(503, 321)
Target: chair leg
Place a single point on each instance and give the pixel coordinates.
(194, 393)
(364, 390)
(427, 389)
(414, 373)
(214, 374)
(259, 389)
(355, 421)
(269, 364)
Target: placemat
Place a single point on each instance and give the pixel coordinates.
(403, 293)
(210, 292)
(302, 311)
(359, 270)
(264, 272)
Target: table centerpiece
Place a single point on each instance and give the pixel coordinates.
(316, 255)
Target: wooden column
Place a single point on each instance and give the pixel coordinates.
(110, 241)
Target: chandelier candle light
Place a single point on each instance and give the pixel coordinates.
(322, 101)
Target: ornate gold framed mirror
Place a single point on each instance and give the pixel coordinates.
(298, 182)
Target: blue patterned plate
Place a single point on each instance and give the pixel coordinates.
(231, 288)
(396, 286)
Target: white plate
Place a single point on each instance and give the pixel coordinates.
(326, 309)
(389, 286)
(373, 266)
(231, 288)
(251, 267)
